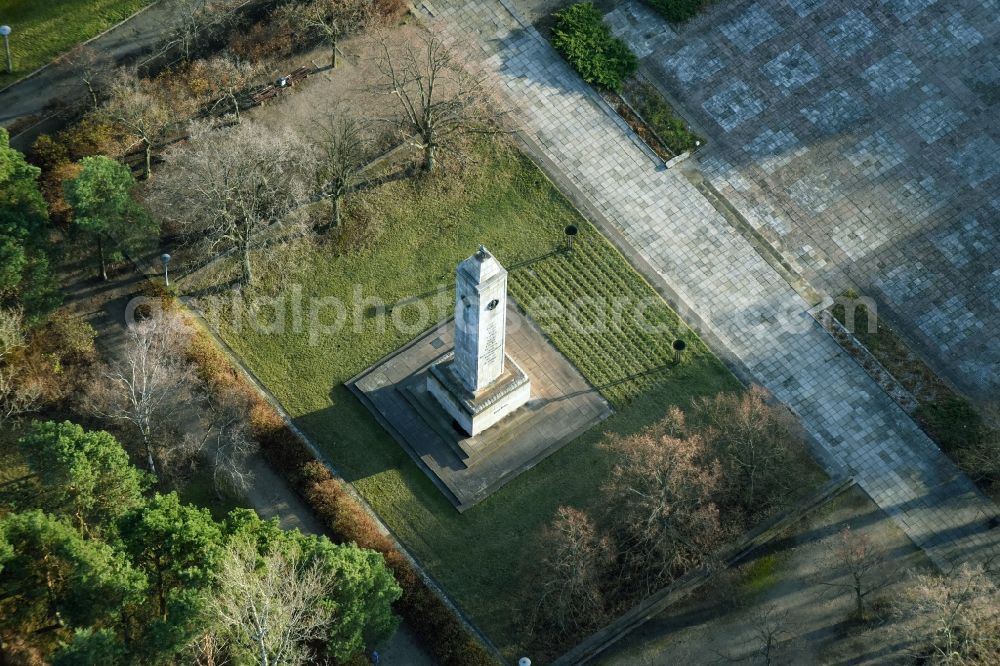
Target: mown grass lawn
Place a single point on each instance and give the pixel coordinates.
(506, 203)
(43, 29)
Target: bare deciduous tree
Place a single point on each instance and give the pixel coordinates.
(753, 441)
(134, 104)
(269, 609)
(230, 76)
(18, 395)
(149, 385)
(335, 19)
(575, 561)
(342, 151)
(661, 498)
(94, 69)
(233, 443)
(437, 98)
(228, 185)
(955, 618)
(865, 563)
(189, 22)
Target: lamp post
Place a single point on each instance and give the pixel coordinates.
(571, 232)
(523, 661)
(679, 346)
(5, 32)
(165, 258)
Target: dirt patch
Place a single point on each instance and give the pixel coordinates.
(811, 620)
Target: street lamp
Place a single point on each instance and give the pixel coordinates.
(5, 32)
(165, 258)
(679, 346)
(523, 661)
(571, 232)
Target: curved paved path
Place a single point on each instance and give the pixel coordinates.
(666, 226)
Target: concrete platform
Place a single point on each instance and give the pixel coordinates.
(469, 469)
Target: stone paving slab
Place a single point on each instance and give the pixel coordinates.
(872, 130)
(717, 274)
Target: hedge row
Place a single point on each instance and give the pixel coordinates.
(441, 633)
(586, 42)
(677, 11)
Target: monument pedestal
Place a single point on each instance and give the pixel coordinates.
(475, 411)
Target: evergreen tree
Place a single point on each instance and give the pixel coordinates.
(103, 207)
(24, 267)
(52, 577)
(85, 476)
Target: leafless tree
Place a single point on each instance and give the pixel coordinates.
(134, 104)
(189, 22)
(18, 395)
(334, 19)
(660, 498)
(769, 629)
(865, 563)
(437, 98)
(573, 565)
(94, 69)
(150, 384)
(230, 76)
(342, 151)
(754, 442)
(233, 444)
(228, 185)
(955, 618)
(269, 609)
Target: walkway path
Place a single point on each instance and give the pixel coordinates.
(664, 224)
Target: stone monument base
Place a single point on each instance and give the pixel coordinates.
(468, 469)
(475, 411)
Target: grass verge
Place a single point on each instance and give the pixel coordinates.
(428, 225)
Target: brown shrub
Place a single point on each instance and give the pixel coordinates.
(266, 40)
(390, 10)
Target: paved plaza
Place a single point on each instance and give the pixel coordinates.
(861, 139)
(746, 308)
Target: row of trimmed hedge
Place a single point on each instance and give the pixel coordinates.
(677, 11)
(440, 631)
(587, 43)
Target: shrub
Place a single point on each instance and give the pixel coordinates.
(390, 10)
(677, 11)
(586, 42)
(953, 422)
(670, 128)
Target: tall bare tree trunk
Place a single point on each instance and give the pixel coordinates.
(100, 255)
(149, 159)
(336, 211)
(247, 271)
(430, 156)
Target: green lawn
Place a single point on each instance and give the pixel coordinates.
(43, 29)
(505, 202)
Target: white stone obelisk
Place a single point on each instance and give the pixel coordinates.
(477, 384)
(480, 320)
